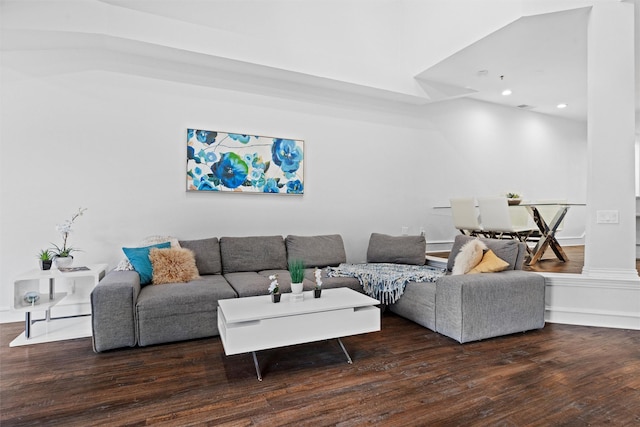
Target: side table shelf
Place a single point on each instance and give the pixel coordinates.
(44, 283)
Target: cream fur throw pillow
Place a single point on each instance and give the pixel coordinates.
(173, 265)
(469, 256)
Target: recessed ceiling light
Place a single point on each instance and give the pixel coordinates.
(506, 92)
(562, 105)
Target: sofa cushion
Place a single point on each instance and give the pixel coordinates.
(173, 265)
(139, 259)
(253, 253)
(333, 282)
(167, 313)
(207, 253)
(418, 304)
(250, 283)
(507, 250)
(316, 251)
(489, 263)
(397, 249)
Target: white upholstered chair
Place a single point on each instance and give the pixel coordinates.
(465, 216)
(496, 218)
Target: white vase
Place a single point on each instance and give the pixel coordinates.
(63, 262)
(296, 288)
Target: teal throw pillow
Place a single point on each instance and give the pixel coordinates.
(139, 259)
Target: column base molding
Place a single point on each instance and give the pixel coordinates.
(611, 273)
(578, 299)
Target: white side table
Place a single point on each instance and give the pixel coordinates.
(43, 283)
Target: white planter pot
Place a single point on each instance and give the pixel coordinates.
(63, 262)
(296, 288)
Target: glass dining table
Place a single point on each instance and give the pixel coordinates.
(547, 227)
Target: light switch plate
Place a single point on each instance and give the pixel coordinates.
(607, 217)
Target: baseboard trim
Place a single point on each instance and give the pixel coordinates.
(598, 318)
(9, 316)
(577, 299)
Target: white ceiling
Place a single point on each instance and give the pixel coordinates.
(541, 58)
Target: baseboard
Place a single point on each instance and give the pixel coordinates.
(577, 299)
(599, 318)
(9, 316)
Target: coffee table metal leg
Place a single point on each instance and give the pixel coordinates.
(27, 324)
(345, 351)
(255, 362)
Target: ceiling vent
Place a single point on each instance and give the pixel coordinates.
(526, 107)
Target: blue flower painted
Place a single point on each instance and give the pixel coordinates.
(295, 187)
(205, 185)
(240, 138)
(231, 170)
(271, 186)
(286, 154)
(205, 136)
(210, 156)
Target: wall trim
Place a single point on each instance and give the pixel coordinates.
(577, 299)
(7, 315)
(607, 274)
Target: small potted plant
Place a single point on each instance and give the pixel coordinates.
(62, 255)
(514, 198)
(296, 270)
(45, 259)
(317, 291)
(274, 288)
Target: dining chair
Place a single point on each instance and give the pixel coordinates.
(497, 221)
(465, 216)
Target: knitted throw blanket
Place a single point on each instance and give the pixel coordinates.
(386, 282)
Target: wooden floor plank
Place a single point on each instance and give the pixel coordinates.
(402, 375)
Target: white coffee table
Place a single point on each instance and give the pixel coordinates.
(251, 324)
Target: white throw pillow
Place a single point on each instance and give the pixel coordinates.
(469, 256)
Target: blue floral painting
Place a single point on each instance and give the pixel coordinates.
(219, 161)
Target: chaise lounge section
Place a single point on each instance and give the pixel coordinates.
(471, 307)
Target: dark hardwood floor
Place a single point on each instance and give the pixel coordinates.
(403, 375)
(560, 375)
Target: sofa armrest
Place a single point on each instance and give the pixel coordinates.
(478, 306)
(113, 303)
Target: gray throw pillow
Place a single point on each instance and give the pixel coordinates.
(316, 251)
(397, 249)
(207, 253)
(254, 253)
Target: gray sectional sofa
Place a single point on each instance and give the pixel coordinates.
(465, 308)
(125, 314)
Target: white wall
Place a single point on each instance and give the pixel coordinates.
(116, 144)
(75, 133)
